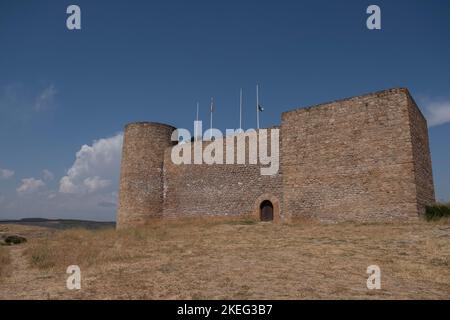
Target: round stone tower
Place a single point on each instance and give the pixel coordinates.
(141, 175)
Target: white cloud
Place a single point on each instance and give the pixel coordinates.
(30, 185)
(95, 168)
(87, 191)
(437, 112)
(45, 99)
(47, 174)
(95, 183)
(6, 174)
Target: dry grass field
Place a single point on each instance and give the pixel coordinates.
(230, 259)
(5, 260)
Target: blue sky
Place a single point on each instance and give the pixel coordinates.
(62, 90)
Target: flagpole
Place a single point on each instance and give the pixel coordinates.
(240, 111)
(196, 124)
(211, 115)
(257, 106)
(197, 111)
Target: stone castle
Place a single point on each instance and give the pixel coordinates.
(365, 158)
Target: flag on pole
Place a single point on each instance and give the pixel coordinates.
(258, 107)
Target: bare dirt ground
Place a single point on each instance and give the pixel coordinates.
(229, 259)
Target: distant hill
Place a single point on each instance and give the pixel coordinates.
(62, 223)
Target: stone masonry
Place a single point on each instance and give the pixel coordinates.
(365, 158)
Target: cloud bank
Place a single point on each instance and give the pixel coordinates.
(95, 168)
(88, 190)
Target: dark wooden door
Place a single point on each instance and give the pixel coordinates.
(266, 211)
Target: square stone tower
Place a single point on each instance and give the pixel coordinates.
(364, 158)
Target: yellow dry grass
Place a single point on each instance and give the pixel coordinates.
(239, 259)
(4, 261)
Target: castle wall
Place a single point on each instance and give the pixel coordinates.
(354, 160)
(365, 158)
(422, 157)
(218, 189)
(141, 176)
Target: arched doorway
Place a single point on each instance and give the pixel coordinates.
(266, 211)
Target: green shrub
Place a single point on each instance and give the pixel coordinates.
(437, 211)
